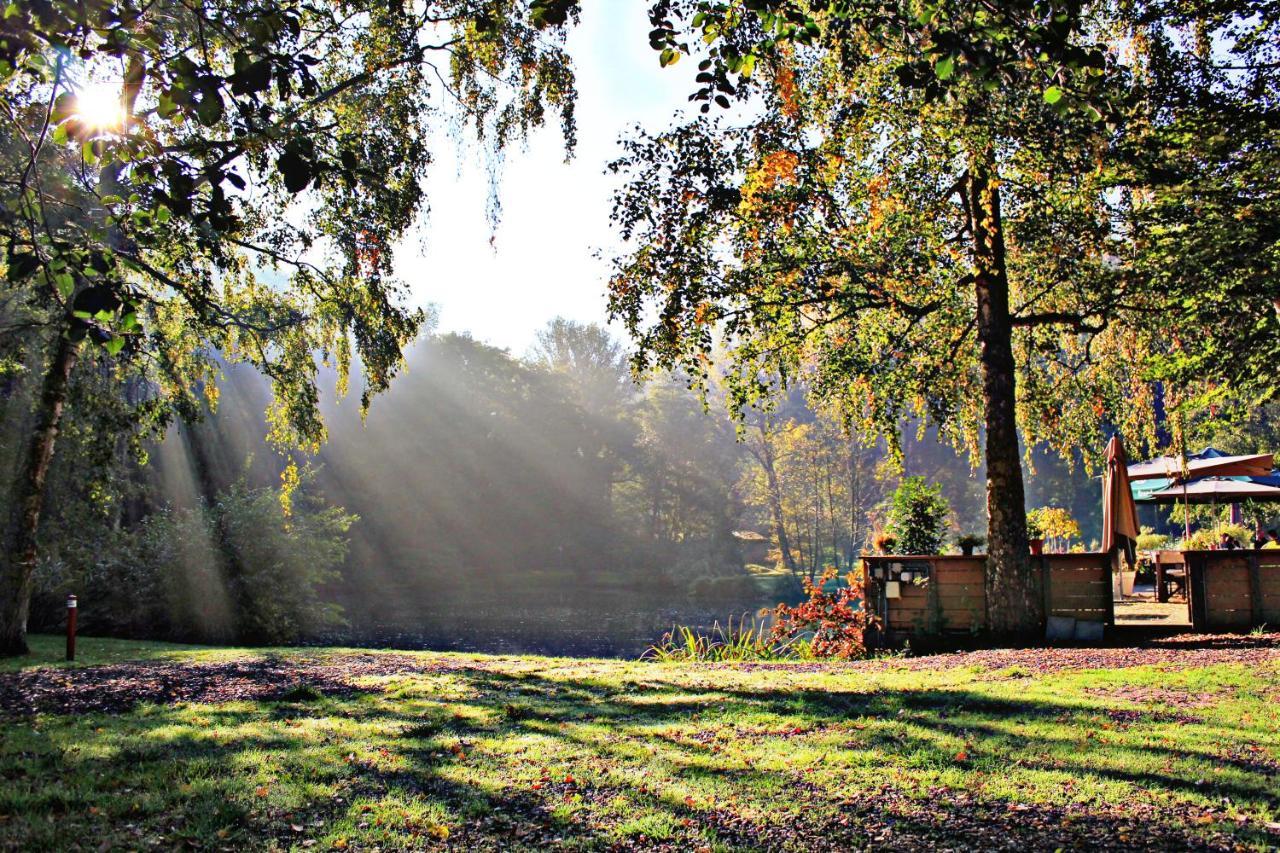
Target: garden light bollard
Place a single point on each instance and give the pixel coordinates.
(71, 627)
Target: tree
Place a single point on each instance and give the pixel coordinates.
(1207, 227)
(188, 182)
(918, 516)
(589, 357)
(915, 223)
(1055, 524)
(813, 483)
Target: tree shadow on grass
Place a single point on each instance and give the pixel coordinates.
(595, 798)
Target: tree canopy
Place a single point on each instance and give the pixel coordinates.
(193, 182)
(953, 210)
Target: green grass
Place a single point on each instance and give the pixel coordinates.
(92, 651)
(524, 753)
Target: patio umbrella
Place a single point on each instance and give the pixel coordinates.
(1215, 490)
(1119, 512)
(1168, 477)
(1207, 463)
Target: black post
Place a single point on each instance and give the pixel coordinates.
(71, 627)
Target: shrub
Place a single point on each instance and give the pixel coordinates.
(1035, 529)
(1149, 540)
(833, 624)
(1052, 523)
(918, 516)
(1207, 538)
(238, 570)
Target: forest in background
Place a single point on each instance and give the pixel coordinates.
(489, 500)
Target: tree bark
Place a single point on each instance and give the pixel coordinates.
(1014, 605)
(17, 570)
(765, 457)
(855, 503)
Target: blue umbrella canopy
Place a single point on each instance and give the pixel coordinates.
(1157, 480)
(1218, 490)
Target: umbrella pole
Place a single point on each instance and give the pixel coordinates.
(1186, 516)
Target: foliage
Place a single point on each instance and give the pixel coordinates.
(1035, 527)
(885, 543)
(748, 641)
(918, 516)
(1208, 538)
(833, 623)
(971, 541)
(1149, 540)
(812, 480)
(313, 108)
(1052, 523)
(237, 570)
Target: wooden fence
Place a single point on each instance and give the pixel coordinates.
(935, 596)
(1234, 589)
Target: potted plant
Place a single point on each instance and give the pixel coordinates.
(1035, 532)
(969, 541)
(884, 543)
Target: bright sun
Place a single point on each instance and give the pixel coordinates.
(98, 105)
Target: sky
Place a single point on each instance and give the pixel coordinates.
(555, 215)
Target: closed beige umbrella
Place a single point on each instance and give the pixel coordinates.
(1119, 512)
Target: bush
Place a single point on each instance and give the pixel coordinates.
(1207, 538)
(1052, 523)
(236, 571)
(1149, 540)
(918, 516)
(835, 620)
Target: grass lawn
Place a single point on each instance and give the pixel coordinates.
(356, 750)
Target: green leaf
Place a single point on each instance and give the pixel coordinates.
(295, 170)
(97, 301)
(1052, 95)
(113, 345)
(22, 266)
(668, 57)
(65, 283)
(945, 67)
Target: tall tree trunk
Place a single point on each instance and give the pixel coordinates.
(1014, 605)
(815, 565)
(765, 457)
(831, 514)
(27, 501)
(855, 503)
